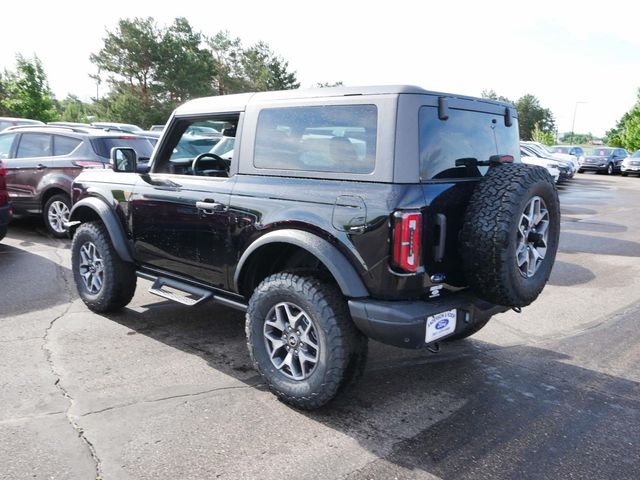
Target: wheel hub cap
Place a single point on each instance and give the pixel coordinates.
(533, 233)
(291, 339)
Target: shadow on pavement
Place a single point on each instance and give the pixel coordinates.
(473, 411)
(571, 242)
(30, 282)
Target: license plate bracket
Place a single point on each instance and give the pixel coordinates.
(440, 325)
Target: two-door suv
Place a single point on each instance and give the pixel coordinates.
(393, 213)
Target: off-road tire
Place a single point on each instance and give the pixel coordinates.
(59, 197)
(488, 238)
(119, 284)
(343, 348)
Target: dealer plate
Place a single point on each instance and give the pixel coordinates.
(440, 325)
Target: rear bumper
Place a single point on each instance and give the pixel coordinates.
(403, 324)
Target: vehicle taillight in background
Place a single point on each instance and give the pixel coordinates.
(407, 238)
(88, 164)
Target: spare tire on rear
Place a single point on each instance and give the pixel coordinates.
(510, 234)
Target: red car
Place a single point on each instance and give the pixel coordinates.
(5, 206)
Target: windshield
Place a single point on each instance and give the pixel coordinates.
(103, 145)
(636, 154)
(561, 149)
(600, 152)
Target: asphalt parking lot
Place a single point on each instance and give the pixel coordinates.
(160, 391)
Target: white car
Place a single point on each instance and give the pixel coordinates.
(550, 165)
(631, 164)
(560, 156)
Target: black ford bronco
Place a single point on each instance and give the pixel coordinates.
(329, 216)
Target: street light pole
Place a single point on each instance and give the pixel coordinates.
(573, 124)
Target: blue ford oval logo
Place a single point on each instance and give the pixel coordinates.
(442, 323)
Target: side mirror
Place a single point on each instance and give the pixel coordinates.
(123, 159)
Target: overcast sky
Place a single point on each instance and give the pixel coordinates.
(561, 52)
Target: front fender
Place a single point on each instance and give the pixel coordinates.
(110, 221)
(345, 274)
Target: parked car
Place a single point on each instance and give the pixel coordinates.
(5, 206)
(42, 161)
(565, 167)
(604, 160)
(546, 151)
(6, 122)
(120, 127)
(550, 165)
(344, 213)
(156, 128)
(574, 150)
(631, 164)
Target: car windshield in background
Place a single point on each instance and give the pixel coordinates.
(224, 146)
(103, 145)
(190, 146)
(600, 152)
(561, 149)
(636, 154)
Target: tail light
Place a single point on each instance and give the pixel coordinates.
(407, 241)
(88, 164)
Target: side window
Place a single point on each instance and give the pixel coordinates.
(5, 145)
(203, 147)
(34, 145)
(64, 145)
(338, 138)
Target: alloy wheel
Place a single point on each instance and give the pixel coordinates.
(91, 268)
(533, 232)
(292, 341)
(58, 215)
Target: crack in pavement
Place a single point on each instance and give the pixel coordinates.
(49, 357)
(171, 397)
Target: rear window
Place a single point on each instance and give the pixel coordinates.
(465, 134)
(103, 146)
(339, 138)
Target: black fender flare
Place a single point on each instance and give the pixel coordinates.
(344, 273)
(110, 221)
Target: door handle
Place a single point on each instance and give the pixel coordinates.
(41, 166)
(209, 207)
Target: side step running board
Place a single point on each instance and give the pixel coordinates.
(192, 295)
(186, 294)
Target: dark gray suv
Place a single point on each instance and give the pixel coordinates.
(42, 161)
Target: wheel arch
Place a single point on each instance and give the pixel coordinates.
(251, 261)
(93, 209)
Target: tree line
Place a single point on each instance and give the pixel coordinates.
(148, 70)
(535, 122)
(626, 133)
